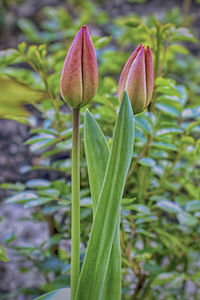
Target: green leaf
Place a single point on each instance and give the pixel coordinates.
(14, 95)
(38, 202)
(193, 206)
(147, 161)
(8, 238)
(9, 56)
(132, 21)
(169, 90)
(164, 278)
(43, 143)
(85, 202)
(61, 294)
(102, 42)
(146, 219)
(177, 48)
(145, 232)
(97, 155)
(127, 201)
(189, 113)
(40, 137)
(3, 256)
(22, 47)
(144, 124)
(187, 219)
(106, 218)
(12, 186)
(51, 263)
(38, 183)
(169, 206)
(21, 197)
(164, 146)
(183, 35)
(29, 28)
(170, 130)
(167, 109)
(141, 208)
(171, 240)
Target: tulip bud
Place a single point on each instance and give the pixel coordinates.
(137, 78)
(79, 78)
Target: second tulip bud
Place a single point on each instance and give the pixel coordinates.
(137, 78)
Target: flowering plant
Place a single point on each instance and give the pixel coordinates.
(100, 277)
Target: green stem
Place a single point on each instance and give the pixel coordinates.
(75, 218)
(157, 58)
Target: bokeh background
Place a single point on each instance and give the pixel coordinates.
(54, 23)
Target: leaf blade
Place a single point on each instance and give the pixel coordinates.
(97, 155)
(96, 263)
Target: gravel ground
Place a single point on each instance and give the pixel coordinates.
(28, 234)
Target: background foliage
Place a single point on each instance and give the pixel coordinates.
(160, 213)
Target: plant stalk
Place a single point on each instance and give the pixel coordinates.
(75, 216)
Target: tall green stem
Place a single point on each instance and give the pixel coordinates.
(157, 58)
(75, 217)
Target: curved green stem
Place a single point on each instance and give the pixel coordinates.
(75, 217)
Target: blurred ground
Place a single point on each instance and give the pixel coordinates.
(28, 234)
(14, 155)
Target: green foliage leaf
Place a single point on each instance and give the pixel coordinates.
(147, 161)
(102, 42)
(187, 219)
(193, 206)
(21, 197)
(169, 206)
(141, 208)
(61, 294)
(97, 155)
(22, 47)
(183, 35)
(164, 146)
(106, 218)
(37, 183)
(37, 202)
(29, 28)
(144, 123)
(8, 57)
(164, 278)
(14, 95)
(170, 130)
(167, 109)
(3, 256)
(50, 264)
(8, 238)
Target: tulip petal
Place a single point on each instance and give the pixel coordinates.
(89, 68)
(125, 72)
(71, 77)
(136, 82)
(149, 74)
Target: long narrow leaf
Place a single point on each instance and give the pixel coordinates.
(92, 278)
(97, 155)
(61, 294)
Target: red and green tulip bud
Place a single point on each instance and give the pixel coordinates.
(79, 78)
(137, 78)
